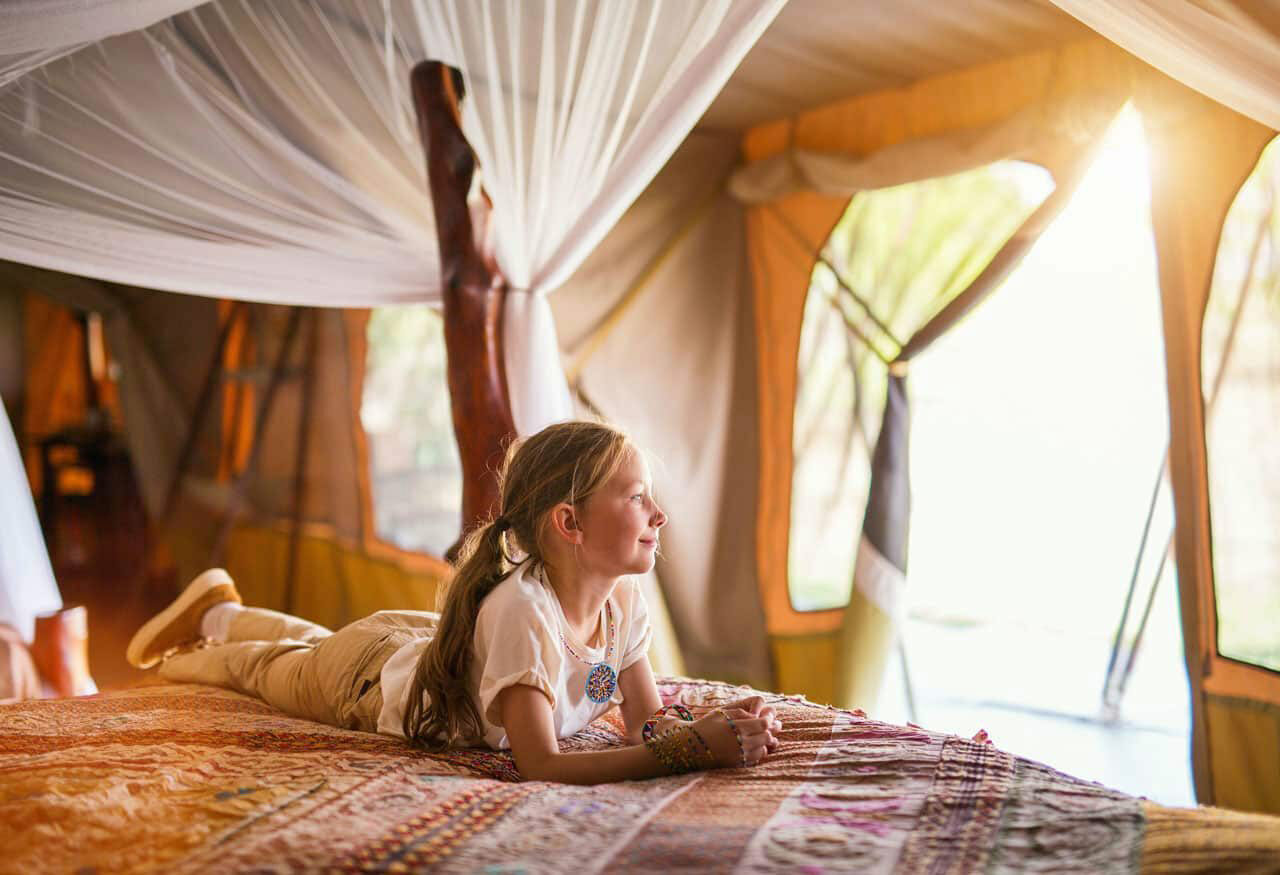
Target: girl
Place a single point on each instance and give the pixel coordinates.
(543, 630)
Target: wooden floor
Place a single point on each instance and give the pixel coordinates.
(99, 557)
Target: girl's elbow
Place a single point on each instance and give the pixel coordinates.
(540, 769)
(557, 769)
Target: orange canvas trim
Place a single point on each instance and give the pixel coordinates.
(356, 323)
(1202, 153)
(237, 419)
(961, 100)
(1240, 680)
(780, 282)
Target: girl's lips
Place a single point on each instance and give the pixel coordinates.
(649, 542)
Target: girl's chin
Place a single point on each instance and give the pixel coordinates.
(645, 563)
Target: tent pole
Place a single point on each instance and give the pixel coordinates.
(259, 428)
(1111, 688)
(213, 376)
(474, 292)
(303, 445)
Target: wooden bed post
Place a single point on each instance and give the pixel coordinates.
(474, 291)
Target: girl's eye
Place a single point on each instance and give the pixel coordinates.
(638, 497)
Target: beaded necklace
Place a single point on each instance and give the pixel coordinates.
(602, 680)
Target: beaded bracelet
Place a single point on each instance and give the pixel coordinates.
(737, 733)
(677, 750)
(646, 732)
(669, 750)
(706, 748)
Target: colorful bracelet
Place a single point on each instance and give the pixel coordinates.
(706, 748)
(669, 750)
(737, 733)
(678, 750)
(650, 725)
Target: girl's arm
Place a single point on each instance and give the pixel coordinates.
(640, 698)
(530, 726)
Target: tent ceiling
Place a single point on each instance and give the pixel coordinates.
(819, 51)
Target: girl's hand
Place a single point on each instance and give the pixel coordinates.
(670, 721)
(755, 707)
(751, 704)
(756, 738)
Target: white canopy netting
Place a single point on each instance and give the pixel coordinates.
(27, 586)
(269, 151)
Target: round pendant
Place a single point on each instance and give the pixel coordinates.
(601, 682)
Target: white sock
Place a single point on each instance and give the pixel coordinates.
(216, 622)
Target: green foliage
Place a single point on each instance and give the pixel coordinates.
(905, 252)
(1241, 384)
(416, 473)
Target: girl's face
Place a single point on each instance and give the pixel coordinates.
(620, 523)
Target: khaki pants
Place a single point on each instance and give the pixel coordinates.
(302, 668)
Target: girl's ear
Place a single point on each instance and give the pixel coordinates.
(564, 523)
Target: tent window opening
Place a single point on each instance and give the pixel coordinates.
(1039, 434)
(895, 258)
(415, 471)
(1240, 370)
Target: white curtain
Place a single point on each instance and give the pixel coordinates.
(34, 32)
(1226, 49)
(268, 150)
(27, 587)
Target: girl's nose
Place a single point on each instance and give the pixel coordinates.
(659, 519)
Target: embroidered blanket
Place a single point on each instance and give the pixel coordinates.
(195, 779)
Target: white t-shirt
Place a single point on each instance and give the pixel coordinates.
(517, 641)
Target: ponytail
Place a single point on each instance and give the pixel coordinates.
(567, 461)
(450, 717)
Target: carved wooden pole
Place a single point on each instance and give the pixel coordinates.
(474, 292)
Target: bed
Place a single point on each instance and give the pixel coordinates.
(193, 779)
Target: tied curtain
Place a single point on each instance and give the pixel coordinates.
(616, 87)
(892, 311)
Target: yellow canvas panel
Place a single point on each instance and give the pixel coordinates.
(806, 665)
(1186, 841)
(1244, 753)
(336, 581)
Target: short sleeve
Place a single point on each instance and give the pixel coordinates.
(639, 630)
(513, 645)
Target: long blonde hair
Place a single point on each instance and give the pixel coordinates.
(565, 462)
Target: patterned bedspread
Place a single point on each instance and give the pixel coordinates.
(194, 779)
